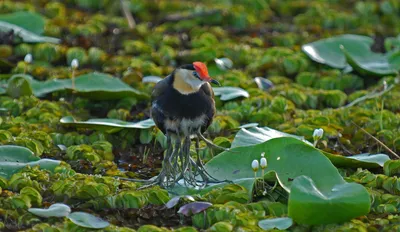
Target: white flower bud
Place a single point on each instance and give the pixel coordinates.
(28, 58)
(74, 63)
(263, 154)
(385, 85)
(318, 133)
(255, 165)
(263, 163)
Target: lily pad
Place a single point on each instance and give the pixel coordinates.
(106, 124)
(98, 86)
(223, 63)
(263, 83)
(25, 35)
(256, 135)
(14, 158)
(367, 62)
(278, 223)
(30, 21)
(358, 161)
(194, 208)
(289, 159)
(309, 205)
(151, 79)
(55, 210)
(229, 93)
(87, 220)
(328, 52)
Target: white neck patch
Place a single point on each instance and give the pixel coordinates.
(192, 82)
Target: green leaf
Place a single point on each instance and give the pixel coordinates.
(194, 208)
(256, 135)
(18, 87)
(14, 158)
(181, 189)
(367, 62)
(309, 205)
(30, 21)
(392, 168)
(25, 35)
(358, 161)
(11, 153)
(98, 86)
(328, 52)
(229, 93)
(107, 124)
(279, 223)
(55, 210)
(87, 220)
(290, 158)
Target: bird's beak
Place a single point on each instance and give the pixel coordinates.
(215, 82)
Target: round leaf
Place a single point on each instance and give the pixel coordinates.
(279, 223)
(151, 79)
(229, 93)
(30, 21)
(107, 124)
(327, 51)
(194, 208)
(55, 210)
(87, 220)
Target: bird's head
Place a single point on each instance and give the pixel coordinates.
(190, 77)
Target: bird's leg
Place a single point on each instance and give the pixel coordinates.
(184, 163)
(167, 175)
(197, 146)
(166, 165)
(205, 176)
(191, 167)
(174, 158)
(209, 143)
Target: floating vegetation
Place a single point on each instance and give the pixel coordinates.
(306, 126)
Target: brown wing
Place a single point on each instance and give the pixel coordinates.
(156, 114)
(159, 88)
(206, 88)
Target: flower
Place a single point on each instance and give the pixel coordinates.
(255, 165)
(75, 63)
(28, 58)
(318, 133)
(263, 163)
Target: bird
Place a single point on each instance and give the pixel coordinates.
(183, 102)
(183, 107)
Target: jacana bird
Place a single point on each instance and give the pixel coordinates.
(182, 107)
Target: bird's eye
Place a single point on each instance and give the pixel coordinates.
(196, 75)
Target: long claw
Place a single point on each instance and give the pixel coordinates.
(179, 165)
